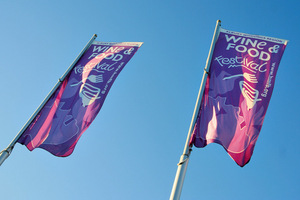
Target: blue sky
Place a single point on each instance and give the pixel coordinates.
(131, 149)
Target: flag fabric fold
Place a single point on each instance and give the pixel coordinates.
(237, 92)
(75, 104)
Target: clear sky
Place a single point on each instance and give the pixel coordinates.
(132, 148)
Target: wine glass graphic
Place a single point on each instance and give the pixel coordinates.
(250, 94)
(88, 94)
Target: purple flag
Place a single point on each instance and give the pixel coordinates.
(237, 92)
(75, 104)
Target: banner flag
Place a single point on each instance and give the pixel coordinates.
(237, 92)
(79, 98)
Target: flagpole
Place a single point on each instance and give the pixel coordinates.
(184, 159)
(6, 152)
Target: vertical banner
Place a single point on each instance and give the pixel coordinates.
(75, 104)
(237, 92)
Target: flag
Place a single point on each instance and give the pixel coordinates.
(75, 104)
(237, 92)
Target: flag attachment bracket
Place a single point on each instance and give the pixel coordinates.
(187, 157)
(7, 150)
(206, 72)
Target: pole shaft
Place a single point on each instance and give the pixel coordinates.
(6, 152)
(184, 159)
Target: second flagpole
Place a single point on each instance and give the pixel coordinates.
(184, 159)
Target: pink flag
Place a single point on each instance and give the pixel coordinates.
(75, 104)
(237, 92)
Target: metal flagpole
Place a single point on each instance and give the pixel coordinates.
(6, 152)
(184, 159)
